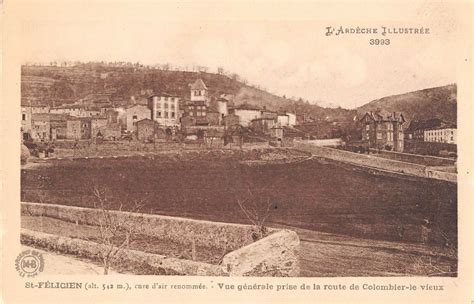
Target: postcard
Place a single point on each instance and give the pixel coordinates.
(236, 152)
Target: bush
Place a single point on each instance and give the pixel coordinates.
(25, 154)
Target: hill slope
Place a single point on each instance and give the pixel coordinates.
(45, 85)
(438, 102)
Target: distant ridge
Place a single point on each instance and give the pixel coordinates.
(437, 102)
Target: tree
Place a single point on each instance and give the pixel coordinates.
(257, 211)
(115, 232)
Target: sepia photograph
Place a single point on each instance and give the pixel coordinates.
(158, 140)
(225, 161)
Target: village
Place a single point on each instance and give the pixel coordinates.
(221, 178)
(161, 118)
(216, 121)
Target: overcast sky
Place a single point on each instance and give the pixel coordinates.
(280, 47)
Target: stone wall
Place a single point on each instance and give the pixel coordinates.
(363, 159)
(274, 255)
(211, 234)
(416, 159)
(146, 262)
(333, 142)
(373, 161)
(429, 148)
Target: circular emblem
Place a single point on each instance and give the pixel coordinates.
(29, 263)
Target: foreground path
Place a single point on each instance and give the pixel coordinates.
(329, 255)
(60, 264)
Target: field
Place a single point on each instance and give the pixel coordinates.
(314, 194)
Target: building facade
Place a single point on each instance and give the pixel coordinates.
(78, 128)
(283, 120)
(135, 113)
(222, 108)
(446, 134)
(383, 131)
(246, 114)
(165, 109)
(416, 128)
(263, 125)
(199, 92)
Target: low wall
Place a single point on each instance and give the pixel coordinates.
(363, 159)
(245, 256)
(147, 262)
(448, 176)
(429, 148)
(416, 159)
(275, 255)
(333, 142)
(211, 234)
(375, 162)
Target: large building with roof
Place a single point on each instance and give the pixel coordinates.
(445, 134)
(383, 130)
(165, 109)
(416, 128)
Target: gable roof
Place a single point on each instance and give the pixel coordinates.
(425, 124)
(198, 85)
(381, 116)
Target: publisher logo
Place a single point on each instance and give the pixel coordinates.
(29, 263)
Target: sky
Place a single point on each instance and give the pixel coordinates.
(279, 46)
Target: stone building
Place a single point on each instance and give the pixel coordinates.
(246, 113)
(199, 92)
(78, 128)
(445, 134)
(135, 113)
(383, 130)
(48, 126)
(165, 109)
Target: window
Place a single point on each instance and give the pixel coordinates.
(367, 127)
(172, 114)
(379, 135)
(135, 117)
(166, 114)
(203, 113)
(159, 114)
(191, 113)
(23, 116)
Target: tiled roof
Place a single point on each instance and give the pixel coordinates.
(198, 85)
(385, 116)
(246, 107)
(424, 124)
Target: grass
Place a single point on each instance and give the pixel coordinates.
(314, 195)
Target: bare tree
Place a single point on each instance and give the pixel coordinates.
(115, 232)
(257, 211)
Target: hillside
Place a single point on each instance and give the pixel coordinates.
(46, 85)
(438, 102)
